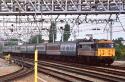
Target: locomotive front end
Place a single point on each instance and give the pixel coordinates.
(105, 51)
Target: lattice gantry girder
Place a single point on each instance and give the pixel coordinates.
(30, 7)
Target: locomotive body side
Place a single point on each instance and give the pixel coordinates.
(86, 49)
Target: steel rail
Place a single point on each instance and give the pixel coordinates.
(17, 74)
(116, 70)
(88, 73)
(62, 76)
(59, 75)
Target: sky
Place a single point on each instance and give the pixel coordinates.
(24, 30)
(86, 28)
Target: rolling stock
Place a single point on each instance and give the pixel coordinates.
(82, 51)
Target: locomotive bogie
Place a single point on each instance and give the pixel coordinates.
(104, 60)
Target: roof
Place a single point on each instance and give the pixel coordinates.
(104, 41)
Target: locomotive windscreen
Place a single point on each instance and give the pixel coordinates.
(105, 45)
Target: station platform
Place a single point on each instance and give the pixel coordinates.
(6, 68)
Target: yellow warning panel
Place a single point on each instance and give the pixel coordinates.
(105, 52)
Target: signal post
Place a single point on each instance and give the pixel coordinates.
(36, 66)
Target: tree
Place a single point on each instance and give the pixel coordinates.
(66, 33)
(36, 39)
(120, 48)
(120, 51)
(118, 41)
(52, 32)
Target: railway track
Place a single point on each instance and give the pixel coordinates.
(116, 70)
(71, 73)
(17, 74)
(86, 72)
(61, 75)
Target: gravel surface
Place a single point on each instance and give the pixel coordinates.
(6, 68)
(27, 78)
(41, 78)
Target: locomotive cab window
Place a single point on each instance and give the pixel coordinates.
(105, 45)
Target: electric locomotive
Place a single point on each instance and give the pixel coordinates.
(81, 51)
(97, 51)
